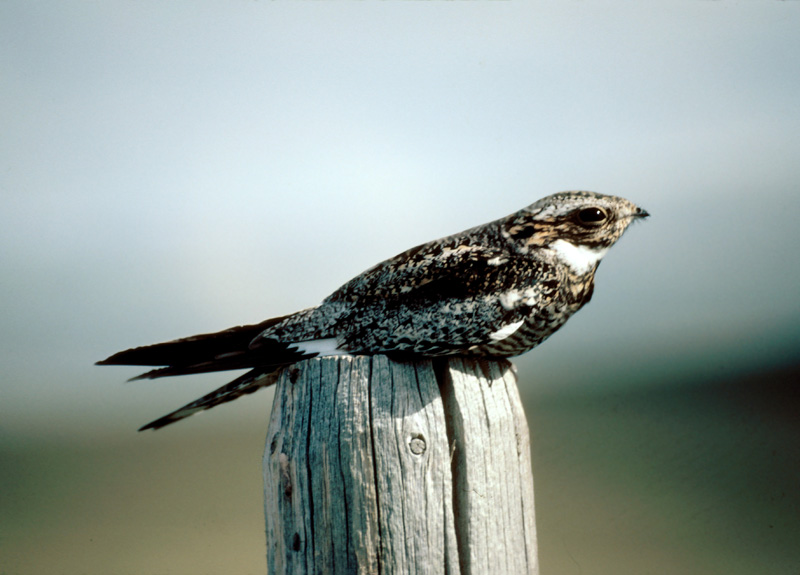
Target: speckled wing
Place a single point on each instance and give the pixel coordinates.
(439, 298)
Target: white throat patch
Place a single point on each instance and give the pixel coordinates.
(580, 259)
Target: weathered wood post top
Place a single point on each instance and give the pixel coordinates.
(378, 466)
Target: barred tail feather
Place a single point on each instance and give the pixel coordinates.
(235, 348)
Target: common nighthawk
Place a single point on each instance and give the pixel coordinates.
(496, 290)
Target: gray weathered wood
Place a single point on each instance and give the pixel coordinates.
(492, 477)
(373, 465)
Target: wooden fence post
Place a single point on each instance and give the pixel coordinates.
(378, 466)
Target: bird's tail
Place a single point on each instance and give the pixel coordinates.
(220, 351)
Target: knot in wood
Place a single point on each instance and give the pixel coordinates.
(286, 478)
(417, 444)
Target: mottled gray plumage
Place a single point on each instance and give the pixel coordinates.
(495, 290)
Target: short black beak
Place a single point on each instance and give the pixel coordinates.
(641, 213)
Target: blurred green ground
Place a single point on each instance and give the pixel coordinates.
(695, 477)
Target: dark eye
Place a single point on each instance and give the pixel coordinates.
(592, 216)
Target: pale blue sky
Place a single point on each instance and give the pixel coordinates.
(174, 168)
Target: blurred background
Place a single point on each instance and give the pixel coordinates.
(174, 168)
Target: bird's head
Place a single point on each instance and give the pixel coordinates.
(578, 226)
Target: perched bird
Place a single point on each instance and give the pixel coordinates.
(495, 290)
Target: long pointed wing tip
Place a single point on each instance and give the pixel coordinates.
(157, 424)
(174, 417)
(113, 359)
